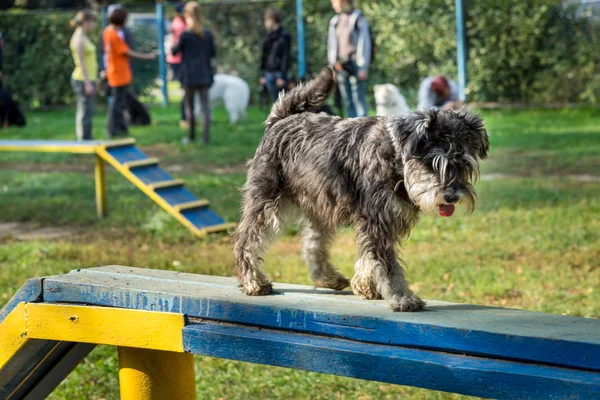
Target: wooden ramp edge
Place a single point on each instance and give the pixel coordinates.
(475, 350)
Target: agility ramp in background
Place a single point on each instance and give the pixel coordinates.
(159, 319)
(141, 170)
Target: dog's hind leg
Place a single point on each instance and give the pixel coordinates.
(378, 272)
(315, 250)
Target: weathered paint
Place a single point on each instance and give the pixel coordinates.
(156, 375)
(458, 328)
(30, 292)
(13, 334)
(103, 325)
(392, 364)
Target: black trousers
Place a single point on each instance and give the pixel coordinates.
(117, 125)
(188, 101)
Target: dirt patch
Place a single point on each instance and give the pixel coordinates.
(215, 169)
(26, 231)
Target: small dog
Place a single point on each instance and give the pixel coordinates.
(389, 100)
(231, 90)
(376, 173)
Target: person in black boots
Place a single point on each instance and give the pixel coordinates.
(197, 49)
(276, 54)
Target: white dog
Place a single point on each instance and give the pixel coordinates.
(230, 90)
(390, 101)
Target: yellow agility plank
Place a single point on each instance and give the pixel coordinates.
(166, 184)
(150, 193)
(141, 163)
(104, 325)
(47, 146)
(191, 204)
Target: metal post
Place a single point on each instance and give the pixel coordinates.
(160, 19)
(156, 375)
(100, 187)
(301, 42)
(461, 48)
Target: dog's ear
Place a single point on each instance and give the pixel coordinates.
(408, 131)
(479, 140)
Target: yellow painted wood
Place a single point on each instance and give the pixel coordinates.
(150, 193)
(165, 184)
(105, 325)
(50, 148)
(100, 187)
(191, 204)
(141, 163)
(220, 228)
(119, 143)
(156, 375)
(13, 334)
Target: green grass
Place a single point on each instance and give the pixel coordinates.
(532, 242)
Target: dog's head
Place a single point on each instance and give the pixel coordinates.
(440, 152)
(385, 94)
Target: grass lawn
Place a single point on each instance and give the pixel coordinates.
(532, 243)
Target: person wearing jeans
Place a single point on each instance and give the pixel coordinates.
(349, 53)
(118, 71)
(197, 49)
(276, 55)
(83, 79)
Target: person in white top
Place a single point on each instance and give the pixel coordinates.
(439, 93)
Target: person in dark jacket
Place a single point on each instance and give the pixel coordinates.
(276, 54)
(197, 49)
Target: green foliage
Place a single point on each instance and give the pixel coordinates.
(534, 51)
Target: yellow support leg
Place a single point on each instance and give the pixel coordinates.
(100, 187)
(156, 375)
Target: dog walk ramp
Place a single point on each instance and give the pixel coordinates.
(168, 192)
(141, 170)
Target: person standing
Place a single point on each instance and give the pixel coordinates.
(197, 49)
(276, 55)
(118, 71)
(83, 78)
(177, 28)
(349, 53)
(440, 93)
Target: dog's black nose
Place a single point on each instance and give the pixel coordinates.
(451, 198)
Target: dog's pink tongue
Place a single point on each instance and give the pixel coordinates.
(446, 210)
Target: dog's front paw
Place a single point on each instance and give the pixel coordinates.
(406, 303)
(364, 287)
(257, 288)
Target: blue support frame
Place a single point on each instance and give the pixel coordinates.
(160, 19)
(301, 39)
(461, 48)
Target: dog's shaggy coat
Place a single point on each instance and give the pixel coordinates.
(376, 174)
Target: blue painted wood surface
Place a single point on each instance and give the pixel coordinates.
(456, 328)
(391, 364)
(30, 292)
(124, 154)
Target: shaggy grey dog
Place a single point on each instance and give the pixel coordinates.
(377, 174)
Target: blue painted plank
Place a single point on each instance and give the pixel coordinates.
(203, 217)
(126, 153)
(30, 292)
(403, 366)
(151, 174)
(457, 328)
(176, 195)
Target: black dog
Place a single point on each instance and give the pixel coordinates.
(10, 112)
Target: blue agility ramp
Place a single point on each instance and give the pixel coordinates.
(141, 170)
(53, 322)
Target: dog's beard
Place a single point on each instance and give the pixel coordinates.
(427, 189)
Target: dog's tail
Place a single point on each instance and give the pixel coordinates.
(303, 97)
